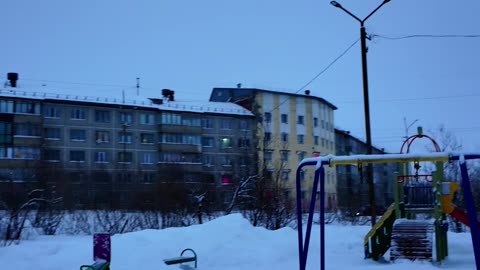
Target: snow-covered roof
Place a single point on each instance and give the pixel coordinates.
(138, 101)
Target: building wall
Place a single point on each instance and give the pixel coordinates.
(352, 186)
(104, 155)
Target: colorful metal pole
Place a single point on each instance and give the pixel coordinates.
(470, 205)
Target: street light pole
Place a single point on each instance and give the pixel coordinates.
(366, 103)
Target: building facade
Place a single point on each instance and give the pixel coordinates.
(290, 127)
(112, 153)
(352, 184)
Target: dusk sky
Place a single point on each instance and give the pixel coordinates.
(99, 48)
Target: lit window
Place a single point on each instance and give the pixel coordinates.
(226, 143)
(146, 138)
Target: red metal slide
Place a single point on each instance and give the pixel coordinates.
(461, 216)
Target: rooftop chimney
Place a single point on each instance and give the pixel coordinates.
(307, 92)
(12, 77)
(239, 85)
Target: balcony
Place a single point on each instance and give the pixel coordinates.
(186, 148)
(179, 129)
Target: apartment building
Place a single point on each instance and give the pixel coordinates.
(123, 154)
(290, 127)
(352, 184)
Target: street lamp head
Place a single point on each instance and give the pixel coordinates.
(386, 1)
(336, 4)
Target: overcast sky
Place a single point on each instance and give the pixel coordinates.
(100, 47)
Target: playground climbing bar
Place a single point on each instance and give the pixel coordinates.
(331, 160)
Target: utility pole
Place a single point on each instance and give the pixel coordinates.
(363, 42)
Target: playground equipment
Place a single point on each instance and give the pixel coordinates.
(395, 230)
(101, 253)
(183, 259)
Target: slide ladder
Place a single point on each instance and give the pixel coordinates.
(378, 239)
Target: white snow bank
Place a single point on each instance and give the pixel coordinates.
(226, 243)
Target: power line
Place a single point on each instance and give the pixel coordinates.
(320, 73)
(413, 99)
(424, 36)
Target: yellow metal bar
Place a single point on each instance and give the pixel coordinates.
(387, 160)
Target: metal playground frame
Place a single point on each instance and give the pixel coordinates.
(331, 160)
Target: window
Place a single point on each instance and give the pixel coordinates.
(147, 158)
(191, 121)
(77, 156)
(300, 139)
(147, 119)
(300, 120)
(315, 122)
(124, 177)
(208, 160)
(51, 111)
(244, 125)
(285, 174)
(267, 155)
(284, 137)
(27, 107)
(101, 157)
(226, 161)
(284, 155)
(171, 119)
(6, 134)
(243, 142)
(322, 123)
(179, 138)
(284, 118)
(208, 142)
(51, 155)
(323, 142)
(207, 123)
(226, 124)
(226, 179)
(52, 133)
(315, 140)
(268, 117)
(19, 152)
(77, 135)
(267, 137)
(302, 175)
(78, 114)
(125, 157)
(125, 137)
(6, 106)
(148, 177)
(146, 138)
(102, 116)
(175, 157)
(226, 143)
(102, 136)
(126, 118)
(301, 155)
(243, 161)
(27, 130)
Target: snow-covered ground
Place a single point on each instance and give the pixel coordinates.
(226, 243)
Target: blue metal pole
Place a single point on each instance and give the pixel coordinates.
(310, 216)
(470, 205)
(299, 216)
(322, 217)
